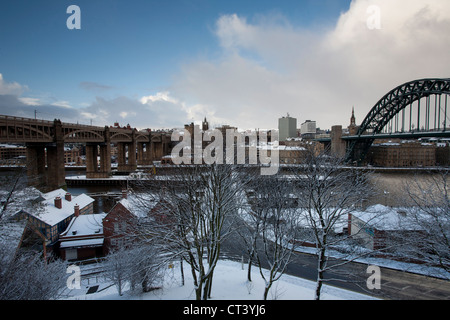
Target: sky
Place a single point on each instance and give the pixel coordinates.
(163, 64)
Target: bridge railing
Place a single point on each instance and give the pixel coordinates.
(21, 119)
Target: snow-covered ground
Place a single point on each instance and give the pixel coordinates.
(230, 283)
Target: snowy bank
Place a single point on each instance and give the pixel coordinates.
(230, 283)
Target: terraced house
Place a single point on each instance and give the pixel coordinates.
(50, 217)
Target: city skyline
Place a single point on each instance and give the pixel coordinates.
(164, 64)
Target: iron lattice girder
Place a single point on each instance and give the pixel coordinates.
(398, 99)
(390, 105)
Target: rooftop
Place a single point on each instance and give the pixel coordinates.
(85, 225)
(51, 214)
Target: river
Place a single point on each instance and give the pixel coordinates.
(390, 187)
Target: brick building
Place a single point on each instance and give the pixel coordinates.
(379, 227)
(50, 217)
(402, 153)
(72, 155)
(12, 154)
(83, 238)
(120, 225)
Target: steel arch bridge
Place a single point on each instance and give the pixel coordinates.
(415, 109)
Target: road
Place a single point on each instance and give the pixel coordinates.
(395, 284)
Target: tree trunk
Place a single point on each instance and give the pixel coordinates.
(207, 289)
(198, 293)
(320, 273)
(249, 272)
(182, 271)
(266, 290)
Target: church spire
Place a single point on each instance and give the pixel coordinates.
(352, 119)
(205, 125)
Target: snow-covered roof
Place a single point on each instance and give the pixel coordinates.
(85, 225)
(82, 243)
(51, 215)
(139, 205)
(386, 218)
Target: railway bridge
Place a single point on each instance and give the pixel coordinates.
(44, 141)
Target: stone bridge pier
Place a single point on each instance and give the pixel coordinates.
(144, 153)
(98, 158)
(160, 146)
(126, 155)
(45, 162)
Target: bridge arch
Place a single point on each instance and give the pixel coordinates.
(389, 113)
(398, 99)
(84, 135)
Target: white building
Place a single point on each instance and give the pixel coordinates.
(308, 129)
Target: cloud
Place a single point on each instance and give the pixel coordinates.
(158, 111)
(269, 67)
(159, 96)
(30, 101)
(12, 88)
(94, 86)
(61, 103)
(14, 105)
(146, 112)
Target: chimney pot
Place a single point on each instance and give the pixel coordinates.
(76, 209)
(58, 202)
(68, 196)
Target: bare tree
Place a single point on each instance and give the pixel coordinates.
(139, 265)
(196, 207)
(249, 229)
(148, 267)
(117, 265)
(429, 215)
(275, 222)
(327, 192)
(26, 276)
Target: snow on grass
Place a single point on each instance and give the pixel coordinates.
(230, 283)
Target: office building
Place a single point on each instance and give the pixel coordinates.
(308, 129)
(287, 127)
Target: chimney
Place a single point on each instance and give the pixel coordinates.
(58, 202)
(68, 196)
(124, 194)
(76, 210)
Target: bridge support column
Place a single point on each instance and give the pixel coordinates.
(36, 172)
(157, 150)
(93, 170)
(56, 172)
(144, 157)
(52, 154)
(126, 157)
(105, 159)
(140, 153)
(338, 146)
(91, 160)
